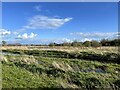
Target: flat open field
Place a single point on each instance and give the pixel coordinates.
(64, 48)
(60, 67)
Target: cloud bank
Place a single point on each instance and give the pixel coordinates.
(4, 32)
(45, 22)
(96, 35)
(26, 36)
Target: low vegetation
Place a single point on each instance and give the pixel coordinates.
(102, 57)
(43, 72)
(93, 43)
(84, 68)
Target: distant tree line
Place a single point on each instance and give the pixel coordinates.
(93, 43)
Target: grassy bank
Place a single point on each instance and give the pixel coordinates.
(35, 72)
(62, 68)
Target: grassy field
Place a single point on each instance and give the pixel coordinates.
(64, 48)
(60, 67)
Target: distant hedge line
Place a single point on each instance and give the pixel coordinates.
(93, 43)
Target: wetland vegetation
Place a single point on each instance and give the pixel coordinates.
(62, 68)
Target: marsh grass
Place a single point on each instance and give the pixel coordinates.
(27, 71)
(66, 67)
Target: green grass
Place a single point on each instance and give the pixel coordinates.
(49, 72)
(101, 57)
(16, 77)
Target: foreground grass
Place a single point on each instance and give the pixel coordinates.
(49, 72)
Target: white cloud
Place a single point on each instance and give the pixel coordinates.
(26, 36)
(67, 40)
(62, 40)
(38, 8)
(4, 32)
(86, 39)
(56, 40)
(95, 34)
(15, 33)
(44, 22)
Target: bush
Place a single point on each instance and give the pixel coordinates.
(87, 43)
(95, 44)
(76, 43)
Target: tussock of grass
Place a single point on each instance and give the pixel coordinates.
(63, 66)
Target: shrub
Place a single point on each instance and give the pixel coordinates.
(95, 43)
(87, 43)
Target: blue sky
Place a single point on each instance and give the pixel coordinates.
(28, 22)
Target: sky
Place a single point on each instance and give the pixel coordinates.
(46, 22)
